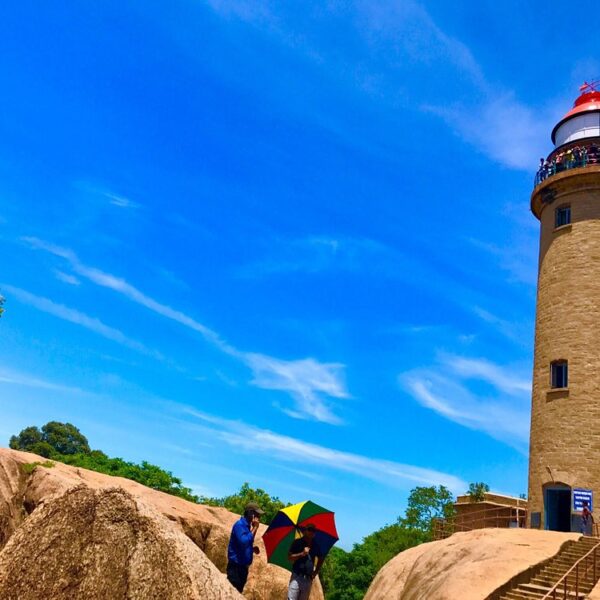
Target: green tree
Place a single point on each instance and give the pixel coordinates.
(236, 503)
(329, 573)
(390, 540)
(477, 491)
(348, 575)
(354, 575)
(145, 473)
(44, 449)
(65, 438)
(1, 305)
(54, 437)
(65, 443)
(425, 504)
(26, 440)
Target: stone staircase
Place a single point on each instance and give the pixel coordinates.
(542, 581)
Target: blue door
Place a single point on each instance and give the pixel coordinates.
(558, 508)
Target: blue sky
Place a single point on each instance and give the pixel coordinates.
(284, 243)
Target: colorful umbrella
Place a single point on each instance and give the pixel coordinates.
(287, 527)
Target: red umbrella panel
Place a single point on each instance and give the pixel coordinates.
(287, 527)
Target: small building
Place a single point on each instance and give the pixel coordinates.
(495, 510)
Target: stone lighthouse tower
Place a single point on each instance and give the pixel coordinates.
(564, 465)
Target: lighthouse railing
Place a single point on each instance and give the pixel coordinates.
(576, 156)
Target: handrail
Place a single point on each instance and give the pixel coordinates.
(479, 519)
(580, 156)
(520, 509)
(565, 578)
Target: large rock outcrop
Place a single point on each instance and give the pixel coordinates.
(12, 493)
(105, 544)
(595, 593)
(466, 566)
(77, 533)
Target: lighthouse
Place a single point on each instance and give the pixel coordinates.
(564, 462)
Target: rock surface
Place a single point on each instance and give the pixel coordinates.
(466, 566)
(105, 544)
(595, 593)
(144, 522)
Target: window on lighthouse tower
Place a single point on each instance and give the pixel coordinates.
(562, 216)
(559, 374)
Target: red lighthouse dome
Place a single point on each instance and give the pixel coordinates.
(583, 120)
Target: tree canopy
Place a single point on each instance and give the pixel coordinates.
(425, 504)
(64, 442)
(348, 575)
(477, 491)
(145, 473)
(60, 438)
(236, 503)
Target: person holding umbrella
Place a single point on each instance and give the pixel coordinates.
(298, 539)
(307, 560)
(241, 546)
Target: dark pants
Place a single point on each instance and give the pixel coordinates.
(237, 575)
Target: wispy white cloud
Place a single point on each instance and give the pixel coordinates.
(501, 127)
(121, 201)
(512, 329)
(12, 377)
(502, 413)
(66, 277)
(121, 286)
(407, 29)
(518, 258)
(181, 449)
(394, 38)
(319, 253)
(77, 317)
(242, 9)
(308, 381)
(312, 385)
(493, 120)
(477, 368)
(279, 447)
(172, 278)
(304, 474)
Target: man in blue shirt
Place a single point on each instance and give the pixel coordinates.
(241, 546)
